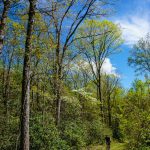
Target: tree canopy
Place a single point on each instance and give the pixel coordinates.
(54, 91)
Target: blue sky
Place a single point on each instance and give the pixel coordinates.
(134, 18)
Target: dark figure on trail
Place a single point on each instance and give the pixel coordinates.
(108, 141)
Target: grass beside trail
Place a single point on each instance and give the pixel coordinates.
(114, 146)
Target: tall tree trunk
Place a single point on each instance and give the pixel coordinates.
(58, 81)
(4, 82)
(3, 22)
(58, 99)
(7, 84)
(37, 94)
(99, 95)
(6, 93)
(24, 137)
(100, 92)
(109, 110)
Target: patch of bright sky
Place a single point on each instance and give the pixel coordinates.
(134, 18)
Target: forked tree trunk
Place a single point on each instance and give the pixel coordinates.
(3, 23)
(24, 137)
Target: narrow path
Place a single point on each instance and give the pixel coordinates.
(114, 146)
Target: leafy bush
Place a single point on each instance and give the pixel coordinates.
(97, 132)
(46, 136)
(74, 133)
(9, 133)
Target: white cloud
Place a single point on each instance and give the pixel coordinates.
(134, 28)
(135, 22)
(108, 68)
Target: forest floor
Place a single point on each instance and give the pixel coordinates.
(114, 146)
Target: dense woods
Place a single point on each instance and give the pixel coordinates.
(54, 93)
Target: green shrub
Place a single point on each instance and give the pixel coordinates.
(74, 133)
(9, 133)
(96, 132)
(46, 136)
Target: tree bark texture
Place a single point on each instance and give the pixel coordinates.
(109, 110)
(3, 23)
(24, 138)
